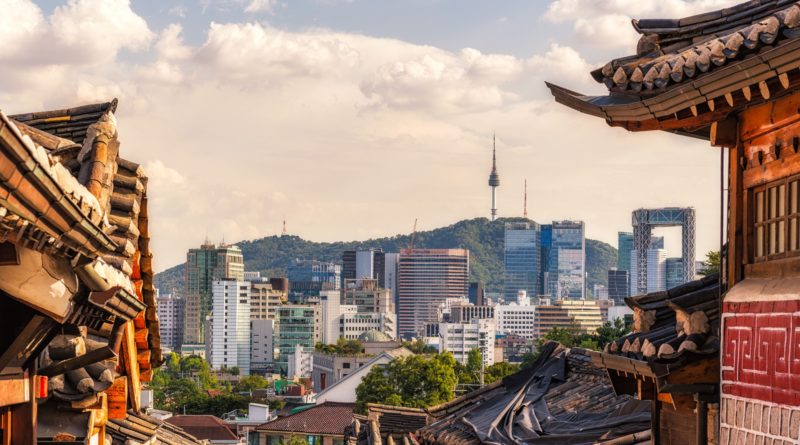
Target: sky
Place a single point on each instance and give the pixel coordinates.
(352, 118)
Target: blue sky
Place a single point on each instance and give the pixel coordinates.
(350, 119)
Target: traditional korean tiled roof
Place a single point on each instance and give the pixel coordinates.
(75, 213)
(674, 51)
(674, 325)
(562, 398)
(140, 428)
(689, 73)
(328, 418)
(203, 426)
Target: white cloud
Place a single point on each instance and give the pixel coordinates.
(344, 135)
(607, 23)
(260, 6)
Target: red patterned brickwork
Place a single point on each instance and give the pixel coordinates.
(761, 351)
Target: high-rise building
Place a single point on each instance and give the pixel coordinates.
(674, 272)
(266, 295)
(367, 296)
(566, 277)
(230, 325)
(203, 266)
(584, 315)
(427, 277)
(643, 221)
(298, 325)
(461, 338)
(656, 270)
(262, 345)
(624, 248)
(307, 278)
(477, 293)
(390, 273)
(618, 285)
(170, 310)
(546, 243)
(521, 255)
(358, 264)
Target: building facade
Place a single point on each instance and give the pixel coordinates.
(203, 266)
(427, 277)
(307, 278)
(584, 315)
(567, 264)
(266, 296)
(230, 325)
(521, 256)
(461, 338)
(656, 270)
(298, 325)
(624, 248)
(674, 272)
(262, 345)
(170, 310)
(618, 285)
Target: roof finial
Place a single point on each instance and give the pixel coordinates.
(525, 201)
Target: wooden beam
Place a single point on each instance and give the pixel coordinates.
(724, 133)
(736, 219)
(129, 357)
(118, 399)
(23, 418)
(14, 391)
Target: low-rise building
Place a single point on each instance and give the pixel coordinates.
(584, 315)
(328, 369)
(344, 389)
(323, 424)
(206, 427)
(353, 325)
(461, 338)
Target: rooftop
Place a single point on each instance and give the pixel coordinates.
(328, 419)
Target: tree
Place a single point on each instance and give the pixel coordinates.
(250, 383)
(416, 381)
(294, 440)
(611, 331)
(499, 370)
(419, 347)
(342, 346)
(712, 263)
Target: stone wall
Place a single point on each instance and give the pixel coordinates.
(746, 422)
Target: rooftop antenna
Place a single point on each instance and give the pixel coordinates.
(525, 201)
(413, 235)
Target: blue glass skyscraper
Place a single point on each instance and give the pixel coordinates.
(566, 276)
(522, 257)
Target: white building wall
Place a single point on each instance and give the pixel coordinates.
(230, 341)
(656, 270)
(300, 364)
(262, 342)
(365, 264)
(517, 319)
(460, 338)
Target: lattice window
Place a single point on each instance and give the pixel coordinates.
(775, 211)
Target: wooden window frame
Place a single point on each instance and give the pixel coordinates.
(785, 221)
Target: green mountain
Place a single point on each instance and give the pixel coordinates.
(482, 237)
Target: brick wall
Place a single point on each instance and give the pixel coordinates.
(746, 422)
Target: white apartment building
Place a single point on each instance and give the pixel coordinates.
(230, 327)
(331, 311)
(170, 310)
(353, 324)
(460, 338)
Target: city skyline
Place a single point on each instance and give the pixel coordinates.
(403, 114)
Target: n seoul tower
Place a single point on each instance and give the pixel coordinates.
(494, 179)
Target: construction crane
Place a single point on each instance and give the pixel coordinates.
(413, 235)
